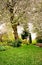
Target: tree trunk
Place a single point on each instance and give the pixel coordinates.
(30, 39)
(1, 37)
(15, 32)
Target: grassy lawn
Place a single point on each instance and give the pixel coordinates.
(25, 55)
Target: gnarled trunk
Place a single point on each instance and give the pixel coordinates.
(15, 32)
(10, 6)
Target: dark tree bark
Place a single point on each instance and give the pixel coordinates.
(30, 39)
(14, 26)
(15, 32)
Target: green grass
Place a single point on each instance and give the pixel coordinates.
(24, 55)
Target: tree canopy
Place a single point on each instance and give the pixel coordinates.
(22, 12)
